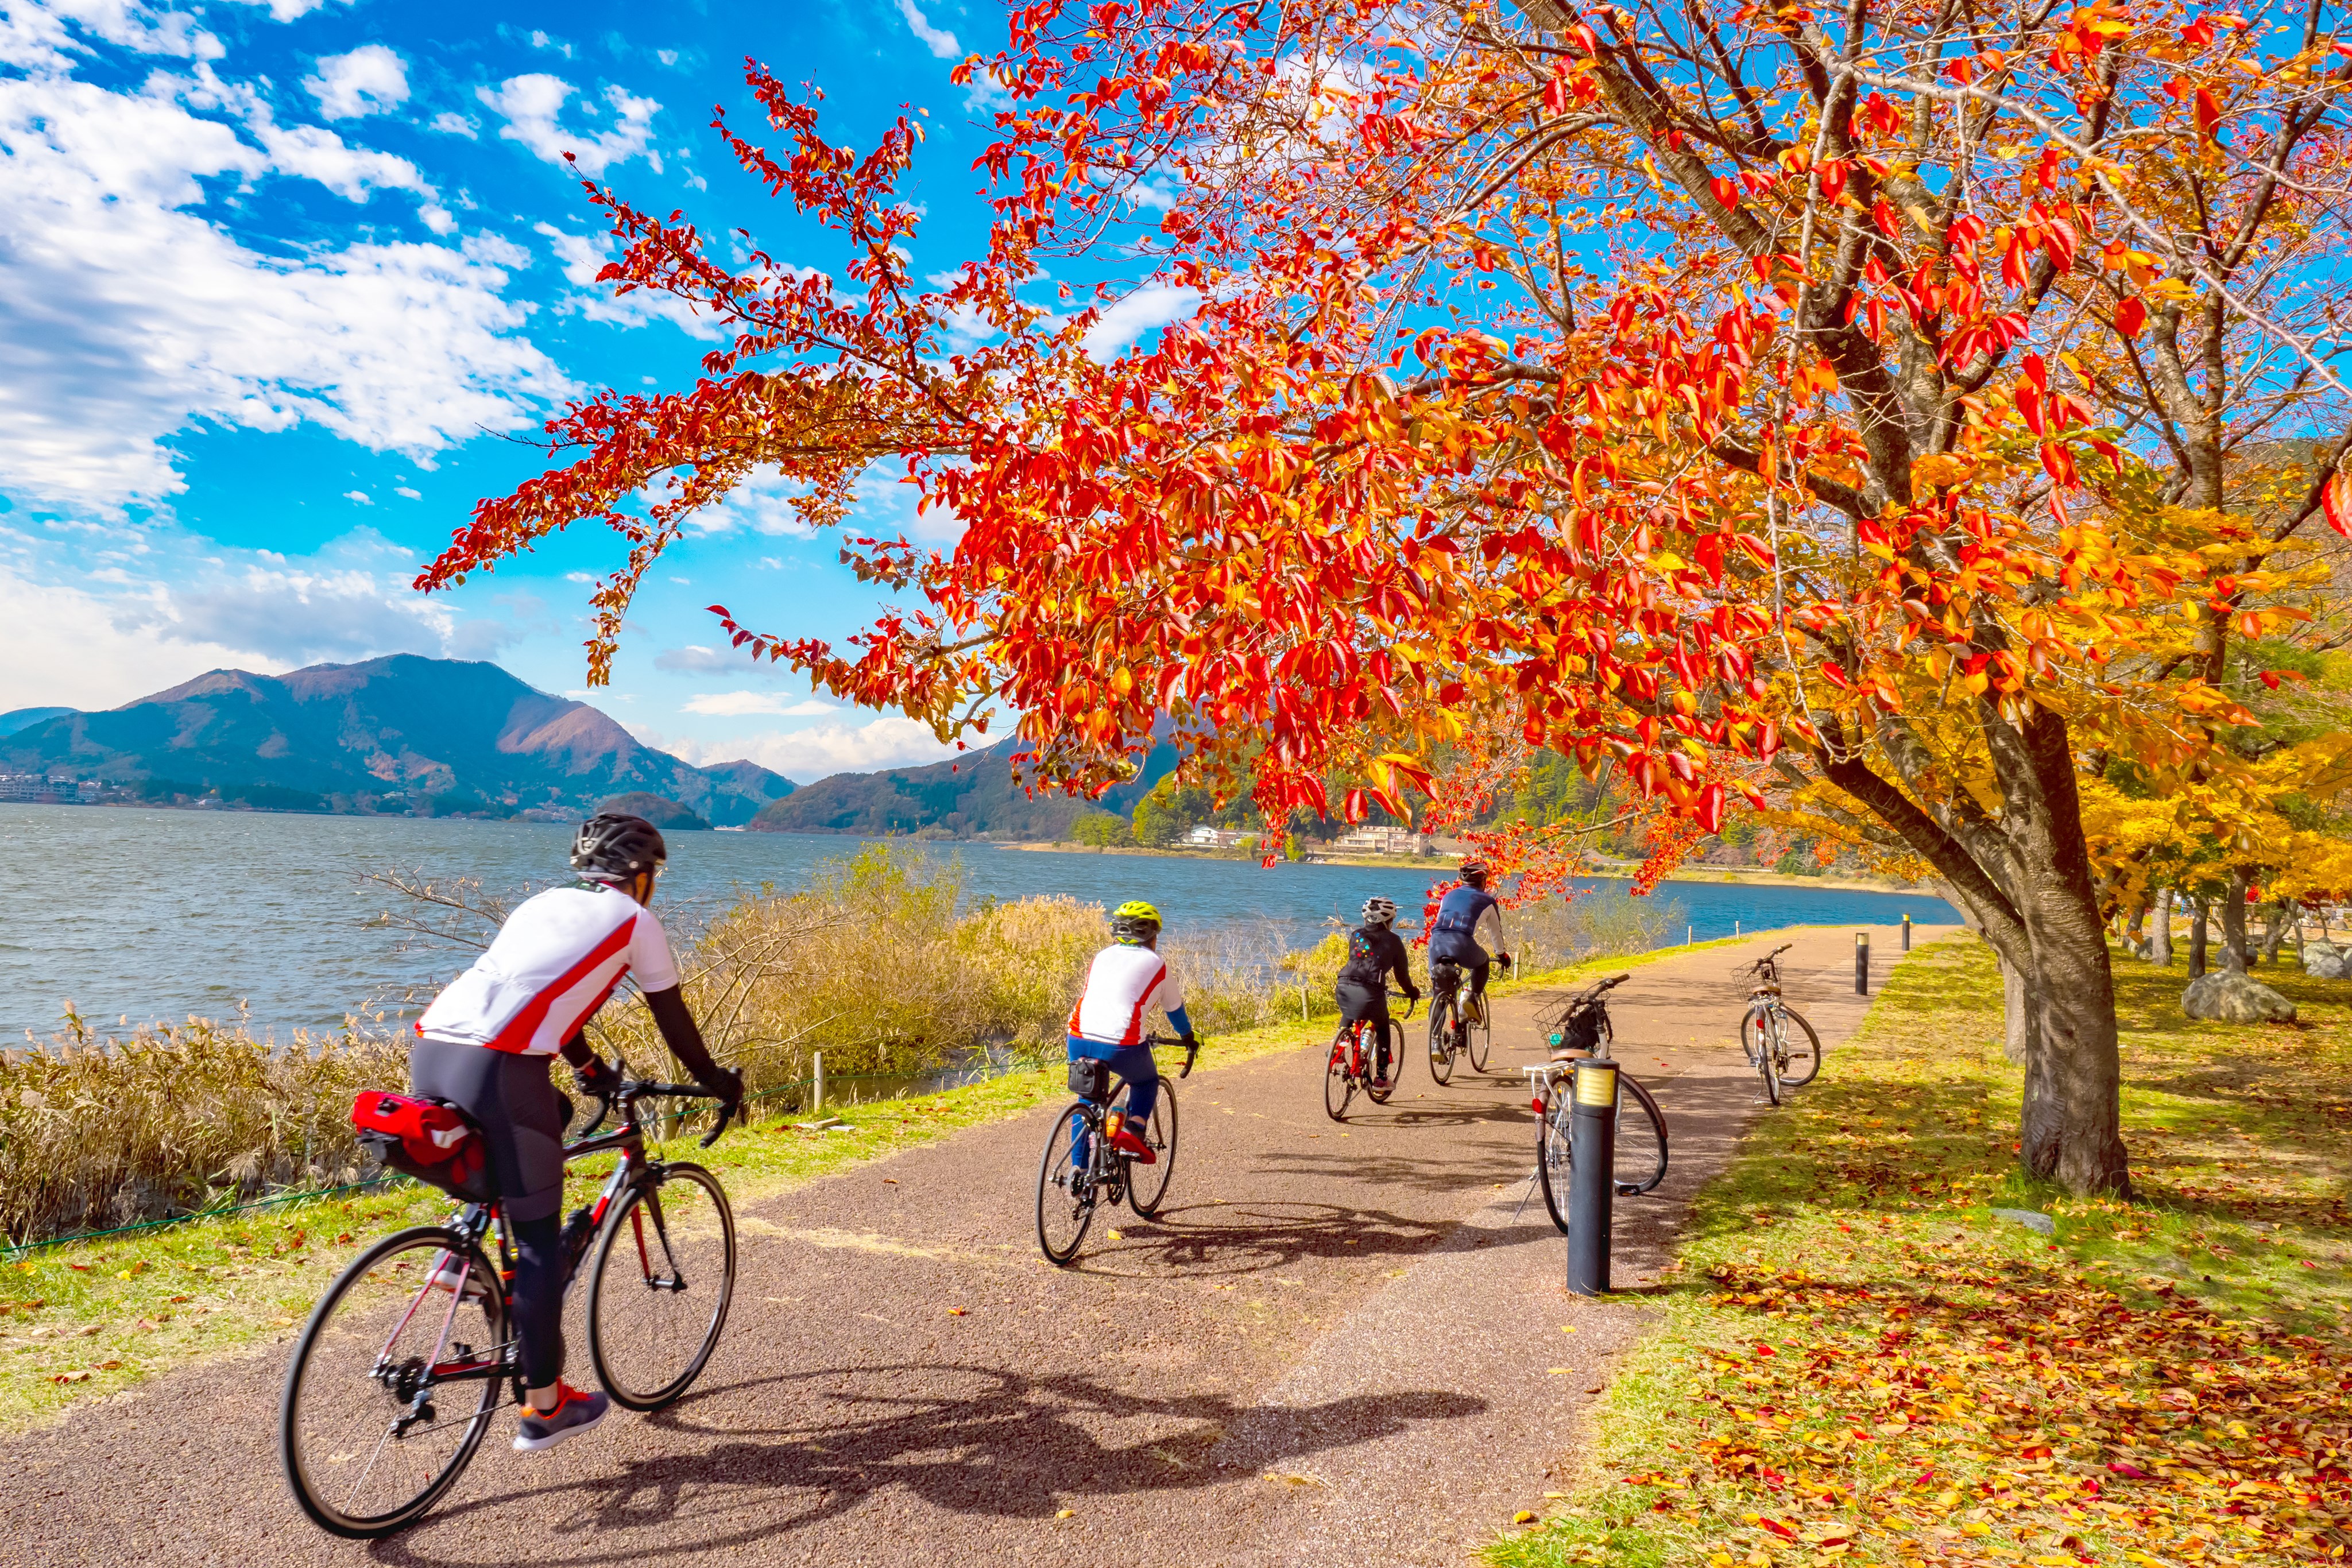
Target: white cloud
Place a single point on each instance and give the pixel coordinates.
(370, 79)
(39, 35)
(62, 647)
(314, 153)
(289, 10)
(539, 40)
(126, 317)
(582, 258)
(404, 490)
(450, 124)
(530, 104)
(360, 496)
(941, 43)
(294, 615)
(1149, 308)
(736, 705)
(821, 750)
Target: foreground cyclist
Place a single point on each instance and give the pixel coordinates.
(1127, 980)
(1468, 917)
(1374, 952)
(485, 1045)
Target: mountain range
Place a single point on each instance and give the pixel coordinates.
(977, 793)
(403, 734)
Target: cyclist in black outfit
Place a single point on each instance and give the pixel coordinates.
(1374, 952)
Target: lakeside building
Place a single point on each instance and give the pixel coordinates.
(1383, 842)
(53, 789)
(1206, 837)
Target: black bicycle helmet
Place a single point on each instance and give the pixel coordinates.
(612, 847)
(1474, 873)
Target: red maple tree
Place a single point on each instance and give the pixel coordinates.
(1734, 397)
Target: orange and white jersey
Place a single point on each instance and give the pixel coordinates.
(554, 962)
(1123, 985)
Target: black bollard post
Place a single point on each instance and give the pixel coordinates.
(1592, 1186)
(1862, 963)
(1906, 931)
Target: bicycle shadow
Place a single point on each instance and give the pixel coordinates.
(961, 1439)
(1253, 1236)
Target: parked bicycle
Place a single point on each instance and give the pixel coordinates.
(1579, 1024)
(1461, 1022)
(1774, 1050)
(1082, 1168)
(1351, 1067)
(397, 1373)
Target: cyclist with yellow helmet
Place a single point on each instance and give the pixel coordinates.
(1126, 982)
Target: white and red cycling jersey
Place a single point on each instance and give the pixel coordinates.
(552, 964)
(1123, 985)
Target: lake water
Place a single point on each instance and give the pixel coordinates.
(159, 915)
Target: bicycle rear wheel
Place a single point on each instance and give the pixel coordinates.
(1641, 1162)
(1440, 1041)
(664, 1277)
(392, 1383)
(1386, 1063)
(1767, 1061)
(1065, 1187)
(1554, 1166)
(1147, 1186)
(1338, 1081)
(1799, 1058)
(1478, 1032)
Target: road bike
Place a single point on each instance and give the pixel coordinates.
(1774, 1051)
(1347, 1071)
(1579, 1023)
(1082, 1168)
(397, 1374)
(1461, 1022)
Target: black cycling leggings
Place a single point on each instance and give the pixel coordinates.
(538, 1298)
(513, 1100)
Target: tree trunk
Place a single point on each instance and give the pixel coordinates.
(2016, 1014)
(2273, 930)
(2136, 933)
(2197, 911)
(2233, 923)
(2159, 935)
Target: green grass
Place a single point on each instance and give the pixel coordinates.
(92, 1318)
(1853, 1358)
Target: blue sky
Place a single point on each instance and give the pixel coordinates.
(281, 279)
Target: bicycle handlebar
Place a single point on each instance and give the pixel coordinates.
(1191, 1052)
(629, 1091)
(1410, 1003)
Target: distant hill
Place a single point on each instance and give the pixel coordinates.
(665, 814)
(403, 734)
(25, 717)
(972, 795)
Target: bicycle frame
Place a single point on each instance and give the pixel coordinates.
(476, 1220)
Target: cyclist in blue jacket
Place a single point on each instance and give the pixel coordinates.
(1467, 918)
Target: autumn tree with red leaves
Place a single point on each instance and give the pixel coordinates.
(1743, 397)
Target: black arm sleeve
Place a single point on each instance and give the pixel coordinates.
(577, 1050)
(1401, 962)
(677, 1032)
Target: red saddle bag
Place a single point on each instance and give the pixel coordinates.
(431, 1140)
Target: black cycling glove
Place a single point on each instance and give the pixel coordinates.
(598, 1077)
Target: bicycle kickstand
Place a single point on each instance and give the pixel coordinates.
(1526, 1193)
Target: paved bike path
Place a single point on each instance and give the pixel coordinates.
(1335, 1346)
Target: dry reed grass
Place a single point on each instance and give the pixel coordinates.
(96, 1131)
(877, 963)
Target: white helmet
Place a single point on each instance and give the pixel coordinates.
(1380, 911)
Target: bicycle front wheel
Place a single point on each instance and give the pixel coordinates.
(393, 1382)
(1767, 1062)
(1478, 1033)
(1147, 1186)
(1387, 1063)
(1440, 1041)
(1338, 1081)
(1065, 1188)
(1799, 1058)
(665, 1274)
(1554, 1167)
